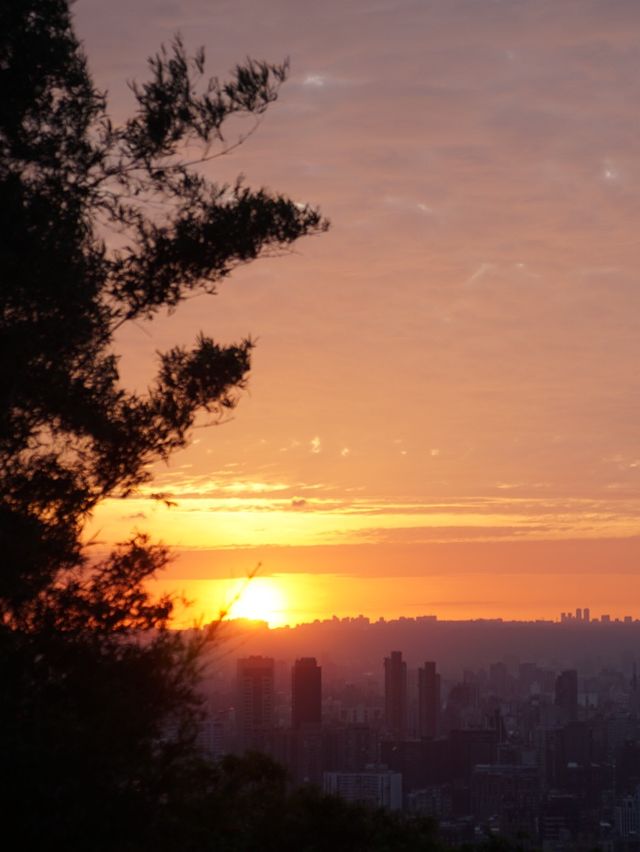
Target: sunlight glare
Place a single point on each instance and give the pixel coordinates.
(260, 599)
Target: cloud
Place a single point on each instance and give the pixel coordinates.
(439, 534)
(204, 487)
(523, 143)
(408, 205)
(292, 445)
(314, 80)
(479, 274)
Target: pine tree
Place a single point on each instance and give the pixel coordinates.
(92, 676)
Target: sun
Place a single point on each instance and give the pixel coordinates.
(260, 599)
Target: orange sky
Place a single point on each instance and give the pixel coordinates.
(443, 412)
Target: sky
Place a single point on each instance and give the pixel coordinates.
(443, 414)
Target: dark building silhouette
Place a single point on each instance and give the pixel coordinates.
(462, 698)
(306, 693)
(307, 754)
(528, 674)
(499, 679)
(350, 747)
(306, 742)
(566, 698)
(510, 792)
(395, 695)
(254, 706)
(421, 762)
(470, 747)
(428, 700)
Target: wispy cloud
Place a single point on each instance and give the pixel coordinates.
(477, 294)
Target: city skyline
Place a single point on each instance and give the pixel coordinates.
(532, 746)
(564, 618)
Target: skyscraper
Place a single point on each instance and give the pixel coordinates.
(254, 706)
(395, 695)
(428, 700)
(305, 750)
(306, 693)
(566, 698)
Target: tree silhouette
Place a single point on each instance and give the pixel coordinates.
(101, 225)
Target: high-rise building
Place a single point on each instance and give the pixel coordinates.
(498, 679)
(428, 700)
(306, 693)
(586, 614)
(376, 787)
(566, 698)
(395, 695)
(254, 706)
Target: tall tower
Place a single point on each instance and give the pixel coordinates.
(567, 694)
(395, 695)
(255, 701)
(428, 700)
(306, 693)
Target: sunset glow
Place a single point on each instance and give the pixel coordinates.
(445, 385)
(259, 599)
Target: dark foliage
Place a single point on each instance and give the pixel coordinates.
(254, 810)
(69, 433)
(98, 704)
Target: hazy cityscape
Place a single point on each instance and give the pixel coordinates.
(525, 730)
